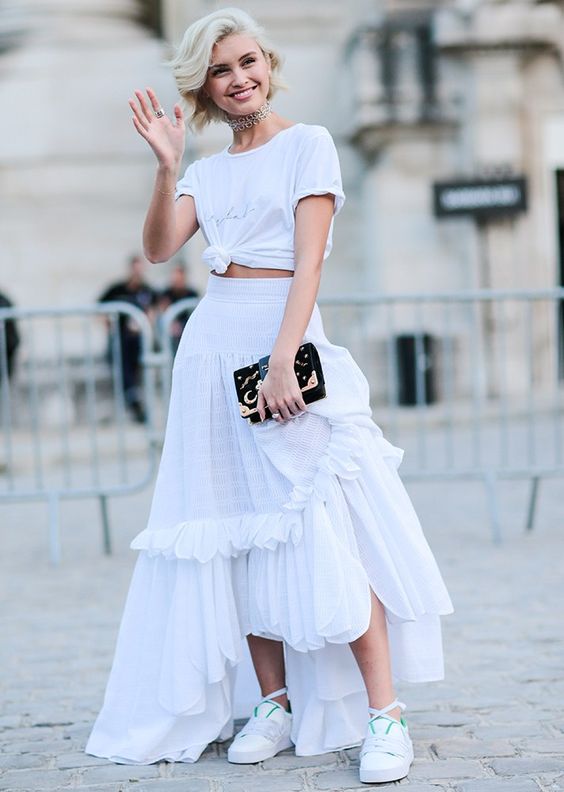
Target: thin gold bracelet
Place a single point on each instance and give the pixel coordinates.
(162, 192)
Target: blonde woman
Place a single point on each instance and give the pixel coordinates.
(295, 533)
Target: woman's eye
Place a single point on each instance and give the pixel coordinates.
(220, 72)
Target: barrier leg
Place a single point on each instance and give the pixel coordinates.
(54, 529)
(535, 483)
(107, 540)
(490, 482)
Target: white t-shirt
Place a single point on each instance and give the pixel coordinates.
(245, 202)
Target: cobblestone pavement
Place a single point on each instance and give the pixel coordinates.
(496, 724)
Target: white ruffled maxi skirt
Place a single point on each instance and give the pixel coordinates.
(279, 530)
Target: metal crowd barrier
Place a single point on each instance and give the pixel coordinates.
(65, 431)
(169, 329)
(484, 372)
(470, 384)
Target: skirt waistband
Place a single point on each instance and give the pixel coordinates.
(254, 290)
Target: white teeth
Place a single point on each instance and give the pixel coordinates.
(246, 92)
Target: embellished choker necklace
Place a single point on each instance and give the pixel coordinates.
(249, 120)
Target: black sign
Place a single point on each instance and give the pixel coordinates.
(480, 198)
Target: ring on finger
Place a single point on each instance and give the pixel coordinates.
(160, 113)
(276, 415)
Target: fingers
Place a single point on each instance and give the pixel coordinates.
(261, 403)
(272, 405)
(300, 403)
(179, 115)
(156, 105)
(143, 131)
(285, 409)
(295, 407)
(138, 118)
(145, 109)
(283, 412)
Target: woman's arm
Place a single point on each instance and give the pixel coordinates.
(280, 388)
(168, 224)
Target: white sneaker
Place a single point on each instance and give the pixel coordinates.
(266, 733)
(387, 751)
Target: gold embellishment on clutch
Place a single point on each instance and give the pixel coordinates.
(249, 379)
(311, 383)
(246, 411)
(250, 397)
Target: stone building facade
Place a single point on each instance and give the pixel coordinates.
(74, 175)
(415, 92)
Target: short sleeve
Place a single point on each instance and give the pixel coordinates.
(187, 184)
(318, 171)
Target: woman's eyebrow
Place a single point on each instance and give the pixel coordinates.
(246, 55)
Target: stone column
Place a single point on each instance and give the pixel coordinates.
(75, 178)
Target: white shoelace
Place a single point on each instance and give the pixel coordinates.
(384, 743)
(377, 712)
(268, 729)
(271, 730)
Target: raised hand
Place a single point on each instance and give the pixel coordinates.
(165, 137)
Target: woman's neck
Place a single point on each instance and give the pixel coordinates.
(259, 133)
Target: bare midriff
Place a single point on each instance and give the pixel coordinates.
(241, 271)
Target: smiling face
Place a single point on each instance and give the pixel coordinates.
(238, 78)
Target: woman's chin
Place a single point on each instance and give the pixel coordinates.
(244, 107)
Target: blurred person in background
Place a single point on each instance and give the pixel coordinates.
(9, 339)
(294, 534)
(178, 289)
(135, 291)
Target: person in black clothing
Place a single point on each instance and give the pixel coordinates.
(177, 290)
(135, 291)
(9, 339)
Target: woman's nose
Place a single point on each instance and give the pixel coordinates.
(239, 77)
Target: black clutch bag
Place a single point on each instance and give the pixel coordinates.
(248, 381)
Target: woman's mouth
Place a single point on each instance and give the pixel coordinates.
(240, 96)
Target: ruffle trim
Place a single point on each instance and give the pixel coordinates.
(202, 539)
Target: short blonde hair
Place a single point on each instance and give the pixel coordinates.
(192, 59)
